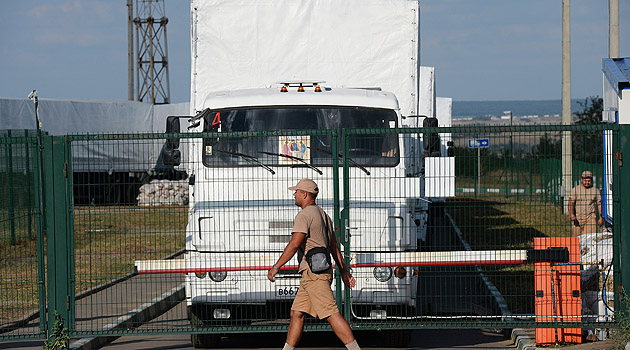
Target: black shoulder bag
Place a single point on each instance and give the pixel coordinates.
(318, 258)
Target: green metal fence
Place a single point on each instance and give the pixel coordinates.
(22, 293)
(459, 251)
(504, 202)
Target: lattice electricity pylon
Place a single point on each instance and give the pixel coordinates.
(152, 54)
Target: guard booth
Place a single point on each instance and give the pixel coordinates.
(616, 110)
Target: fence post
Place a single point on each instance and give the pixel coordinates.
(345, 219)
(29, 185)
(10, 185)
(339, 229)
(505, 178)
(621, 223)
(58, 228)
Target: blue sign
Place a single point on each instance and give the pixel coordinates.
(478, 143)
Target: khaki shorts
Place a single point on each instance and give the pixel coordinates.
(586, 226)
(315, 296)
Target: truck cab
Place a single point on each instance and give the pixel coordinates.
(241, 212)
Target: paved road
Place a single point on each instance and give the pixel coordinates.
(421, 339)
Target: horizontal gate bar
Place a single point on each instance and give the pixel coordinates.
(242, 262)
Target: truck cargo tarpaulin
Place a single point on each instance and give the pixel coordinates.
(275, 40)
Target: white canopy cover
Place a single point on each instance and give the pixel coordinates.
(239, 44)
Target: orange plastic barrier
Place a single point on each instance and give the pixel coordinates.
(558, 293)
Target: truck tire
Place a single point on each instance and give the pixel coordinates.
(201, 341)
(205, 341)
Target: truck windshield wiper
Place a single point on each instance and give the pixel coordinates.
(367, 172)
(301, 160)
(247, 157)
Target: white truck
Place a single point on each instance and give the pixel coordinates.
(106, 172)
(268, 65)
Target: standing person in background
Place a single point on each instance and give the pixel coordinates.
(584, 201)
(312, 228)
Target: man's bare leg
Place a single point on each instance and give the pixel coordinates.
(341, 328)
(295, 328)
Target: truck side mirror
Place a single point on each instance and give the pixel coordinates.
(212, 123)
(431, 141)
(171, 155)
(172, 127)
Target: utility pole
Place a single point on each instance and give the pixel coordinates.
(613, 28)
(567, 151)
(152, 54)
(130, 90)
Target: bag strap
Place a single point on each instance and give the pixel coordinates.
(325, 219)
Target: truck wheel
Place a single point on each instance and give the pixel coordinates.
(201, 341)
(205, 341)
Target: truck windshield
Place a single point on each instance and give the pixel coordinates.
(316, 150)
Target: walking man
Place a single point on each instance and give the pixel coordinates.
(583, 201)
(312, 228)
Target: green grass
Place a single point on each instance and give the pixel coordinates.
(507, 222)
(107, 242)
(492, 222)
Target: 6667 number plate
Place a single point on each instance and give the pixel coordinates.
(287, 292)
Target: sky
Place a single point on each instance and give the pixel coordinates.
(482, 50)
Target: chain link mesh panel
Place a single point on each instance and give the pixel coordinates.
(21, 265)
(467, 258)
(237, 222)
(432, 241)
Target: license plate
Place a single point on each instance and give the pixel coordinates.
(286, 291)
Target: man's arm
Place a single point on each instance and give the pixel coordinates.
(297, 238)
(572, 208)
(346, 276)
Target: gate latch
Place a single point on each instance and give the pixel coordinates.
(619, 157)
(348, 230)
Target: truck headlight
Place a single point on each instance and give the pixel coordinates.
(218, 276)
(382, 273)
(200, 274)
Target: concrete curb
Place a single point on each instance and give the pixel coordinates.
(522, 340)
(144, 313)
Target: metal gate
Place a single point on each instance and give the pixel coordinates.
(22, 272)
(480, 257)
(427, 250)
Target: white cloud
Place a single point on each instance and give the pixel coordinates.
(75, 9)
(63, 37)
(72, 6)
(41, 11)
(81, 23)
